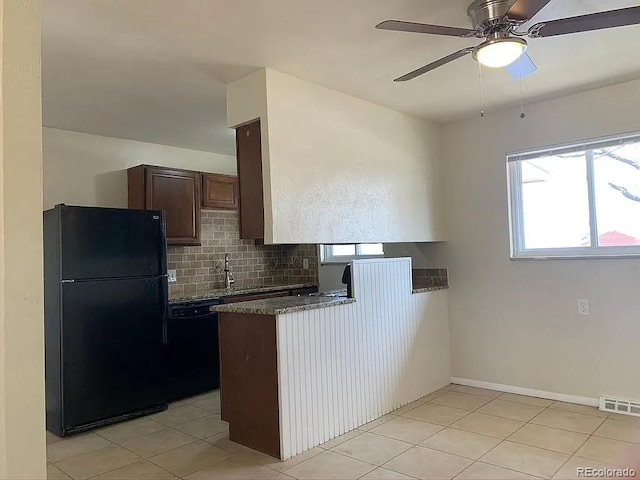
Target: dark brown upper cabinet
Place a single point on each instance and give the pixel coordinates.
(177, 192)
(249, 155)
(219, 191)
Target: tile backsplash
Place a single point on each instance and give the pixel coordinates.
(200, 269)
(430, 277)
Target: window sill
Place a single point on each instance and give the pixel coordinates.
(630, 256)
(349, 260)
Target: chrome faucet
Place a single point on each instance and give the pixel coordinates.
(228, 276)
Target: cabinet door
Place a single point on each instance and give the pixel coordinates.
(178, 194)
(249, 154)
(219, 191)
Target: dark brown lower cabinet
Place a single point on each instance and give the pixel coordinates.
(249, 380)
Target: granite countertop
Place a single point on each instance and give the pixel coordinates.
(229, 292)
(429, 288)
(280, 305)
(341, 292)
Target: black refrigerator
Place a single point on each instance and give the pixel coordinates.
(105, 316)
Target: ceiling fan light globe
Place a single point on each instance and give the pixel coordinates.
(500, 53)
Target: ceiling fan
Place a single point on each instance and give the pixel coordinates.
(497, 21)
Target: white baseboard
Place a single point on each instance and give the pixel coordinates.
(529, 392)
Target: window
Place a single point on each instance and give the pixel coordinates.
(580, 200)
(346, 252)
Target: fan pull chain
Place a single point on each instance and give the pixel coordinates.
(481, 93)
(522, 114)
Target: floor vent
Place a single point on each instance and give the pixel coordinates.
(619, 405)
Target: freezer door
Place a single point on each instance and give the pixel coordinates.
(113, 348)
(111, 243)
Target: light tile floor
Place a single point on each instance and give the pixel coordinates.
(457, 432)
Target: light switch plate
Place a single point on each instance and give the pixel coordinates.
(172, 276)
(305, 263)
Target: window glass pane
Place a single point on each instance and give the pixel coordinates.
(371, 249)
(555, 202)
(617, 190)
(343, 250)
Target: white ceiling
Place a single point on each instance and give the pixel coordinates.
(154, 70)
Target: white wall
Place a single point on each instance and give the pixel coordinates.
(341, 169)
(330, 276)
(516, 322)
(413, 250)
(22, 411)
(83, 169)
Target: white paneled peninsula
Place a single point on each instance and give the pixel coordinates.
(298, 372)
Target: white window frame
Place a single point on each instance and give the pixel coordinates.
(327, 256)
(516, 214)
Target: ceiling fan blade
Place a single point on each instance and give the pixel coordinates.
(399, 26)
(586, 23)
(524, 10)
(522, 68)
(434, 65)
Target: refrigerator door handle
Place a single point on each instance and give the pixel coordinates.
(164, 294)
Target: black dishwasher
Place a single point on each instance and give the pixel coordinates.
(192, 347)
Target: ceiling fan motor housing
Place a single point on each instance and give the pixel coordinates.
(487, 16)
(499, 23)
